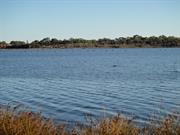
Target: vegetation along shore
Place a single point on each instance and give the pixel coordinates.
(130, 42)
(13, 122)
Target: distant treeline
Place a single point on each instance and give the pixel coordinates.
(121, 42)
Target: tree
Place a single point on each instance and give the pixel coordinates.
(54, 41)
(3, 43)
(18, 44)
(45, 41)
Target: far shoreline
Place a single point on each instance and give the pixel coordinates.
(63, 48)
(135, 41)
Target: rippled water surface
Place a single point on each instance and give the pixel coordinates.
(67, 84)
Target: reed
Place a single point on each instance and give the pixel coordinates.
(28, 123)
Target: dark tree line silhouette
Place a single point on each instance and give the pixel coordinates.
(121, 42)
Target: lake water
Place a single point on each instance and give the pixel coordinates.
(68, 84)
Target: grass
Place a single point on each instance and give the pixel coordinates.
(14, 122)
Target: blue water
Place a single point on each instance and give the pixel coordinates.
(68, 84)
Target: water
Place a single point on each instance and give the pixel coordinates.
(68, 84)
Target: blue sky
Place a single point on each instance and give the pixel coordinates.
(90, 19)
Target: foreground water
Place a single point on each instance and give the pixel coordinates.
(68, 84)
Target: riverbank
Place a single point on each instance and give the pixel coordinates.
(13, 122)
(129, 42)
(71, 46)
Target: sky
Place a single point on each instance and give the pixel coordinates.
(89, 19)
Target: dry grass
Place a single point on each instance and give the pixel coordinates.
(115, 126)
(28, 123)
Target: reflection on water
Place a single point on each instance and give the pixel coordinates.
(67, 84)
